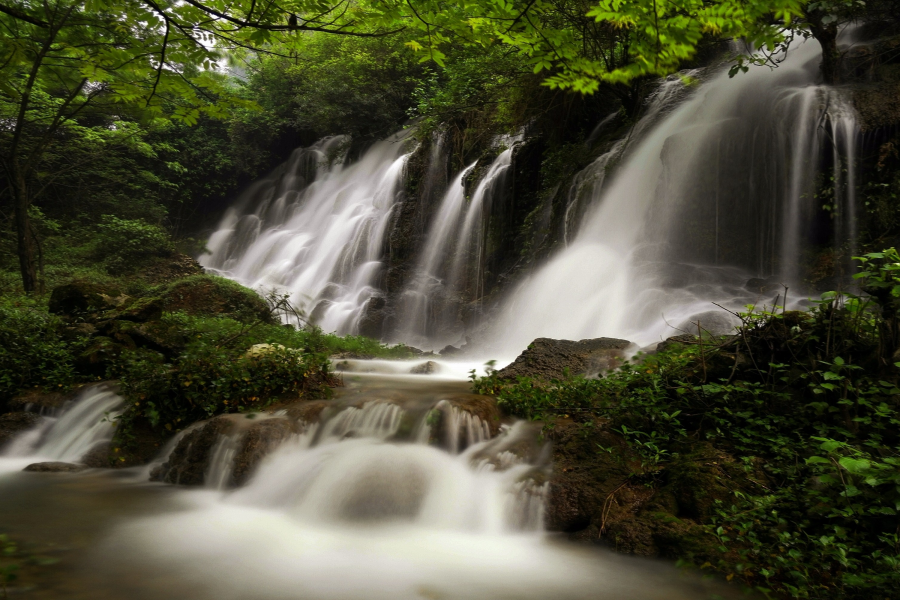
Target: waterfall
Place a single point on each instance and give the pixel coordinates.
(421, 299)
(87, 422)
(316, 229)
(726, 176)
(450, 271)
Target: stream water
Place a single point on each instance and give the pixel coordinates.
(351, 508)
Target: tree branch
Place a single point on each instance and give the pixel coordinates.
(17, 14)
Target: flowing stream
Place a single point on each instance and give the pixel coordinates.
(399, 491)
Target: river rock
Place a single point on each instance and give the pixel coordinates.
(546, 358)
(12, 424)
(99, 457)
(54, 467)
(449, 351)
(425, 368)
(261, 439)
(189, 460)
(764, 286)
(80, 298)
(305, 412)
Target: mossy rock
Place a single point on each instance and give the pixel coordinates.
(211, 296)
(82, 298)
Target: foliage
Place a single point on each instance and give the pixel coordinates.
(207, 380)
(581, 44)
(32, 349)
(226, 366)
(332, 85)
(804, 403)
(125, 244)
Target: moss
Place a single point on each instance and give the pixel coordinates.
(209, 295)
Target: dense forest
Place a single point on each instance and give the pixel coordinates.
(760, 445)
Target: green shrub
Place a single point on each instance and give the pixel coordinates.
(123, 244)
(32, 349)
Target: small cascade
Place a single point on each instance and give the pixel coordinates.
(221, 461)
(316, 229)
(588, 183)
(378, 420)
(87, 422)
(421, 300)
(348, 471)
(467, 267)
(461, 429)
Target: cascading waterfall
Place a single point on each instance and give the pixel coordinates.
(316, 230)
(83, 425)
(450, 272)
(726, 177)
(420, 300)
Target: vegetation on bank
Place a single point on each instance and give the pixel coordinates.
(802, 411)
(181, 351)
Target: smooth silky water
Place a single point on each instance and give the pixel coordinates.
(352, 508)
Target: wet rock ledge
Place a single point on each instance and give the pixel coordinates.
(548, 359)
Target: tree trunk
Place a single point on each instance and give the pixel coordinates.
(23, 232)
(826, 35)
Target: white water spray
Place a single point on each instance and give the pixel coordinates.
(317, 230)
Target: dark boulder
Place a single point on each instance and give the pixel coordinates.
(553, 359)
(99, 457)
(371, 324)
(448, 351)
(169, 268)
(764, 286)
(13, 424)
(81, 298)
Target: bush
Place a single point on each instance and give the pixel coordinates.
(32, 350)
(125, 244)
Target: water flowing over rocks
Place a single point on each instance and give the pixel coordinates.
(74, 429)
(553, 359)
(14, 423)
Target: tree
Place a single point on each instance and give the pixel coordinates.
(67, 63)
(584, 44)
